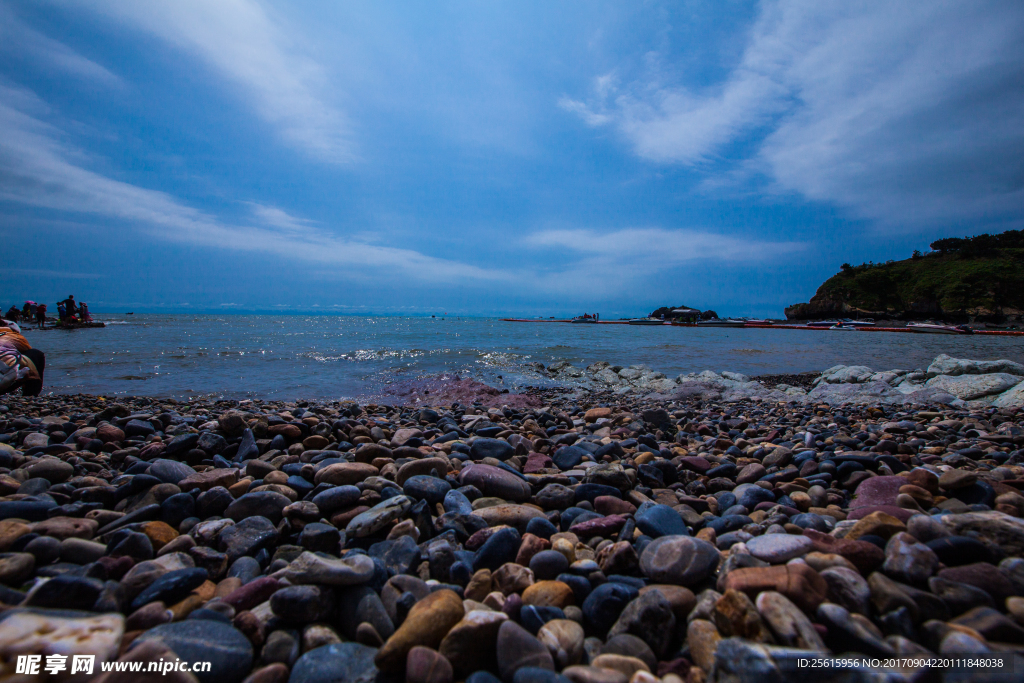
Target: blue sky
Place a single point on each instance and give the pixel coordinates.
(495, 158)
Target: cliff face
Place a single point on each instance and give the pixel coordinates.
(956, 286)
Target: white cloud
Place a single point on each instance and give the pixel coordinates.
(248, 46)
(902, 112)
(18, 38)
(37, 169)
(42, 272)
(660, 248)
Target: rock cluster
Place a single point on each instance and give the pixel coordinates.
(949, 381)
(635, 541)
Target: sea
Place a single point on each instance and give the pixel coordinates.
(325, 357)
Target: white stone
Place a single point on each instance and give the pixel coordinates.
(1011, 398)
(735, 376)
(27, 633)
(968, 387)
(947, 365)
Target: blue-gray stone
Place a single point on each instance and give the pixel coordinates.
(399, 555)
(67, 592)
(535, 674)
(267, 504)
(723, 525)
(213, 503)
(336, 663)
(456, 501)
(589, 492)
(499, 449)
(500, 548)
(29, 510)
(318, 537)
(178, 508)
(247, 448)
(754, 495)
(336, 498)
(809, 520)
(548, 564)
(245, 569)
(428, 488)
(139, 428)
(247, 537)
(170, 471)
(661, 520)
(569, 457)
(171, 588)
(211, 443)
(604, 605)
(180, 445)
(228, 651)
(541, 527)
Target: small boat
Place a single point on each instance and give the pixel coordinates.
(646, 321)
(722, 322)
(843, 326)
(826, 324)
(756, 321)
(867, 322)
(937, 328)
(585, 319)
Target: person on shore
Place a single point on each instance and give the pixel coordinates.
(28, 311)
(21, 366)
(70, 308)
(41, 315)
(13, 313)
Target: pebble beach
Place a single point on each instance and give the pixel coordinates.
(712, 527)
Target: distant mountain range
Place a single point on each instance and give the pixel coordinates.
(962, 279)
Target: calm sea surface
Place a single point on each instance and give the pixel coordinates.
(331, 357)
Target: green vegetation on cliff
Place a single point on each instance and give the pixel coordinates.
(962, 278)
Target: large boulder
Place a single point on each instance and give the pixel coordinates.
(846, 374)
(946, 365)
(1011, 398)
(970, 387)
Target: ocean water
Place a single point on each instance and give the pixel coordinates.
(332, 357)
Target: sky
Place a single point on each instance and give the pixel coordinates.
(498, 158)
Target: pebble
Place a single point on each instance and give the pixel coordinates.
(427, 623)
(230, 652)
(308, 567)
(778, 548)
(557, 542)
(679, 560)
(564, 640)
(25, 632)
(517, 649)
(349, 662)
(649, 617)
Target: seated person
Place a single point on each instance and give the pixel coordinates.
(21, 366)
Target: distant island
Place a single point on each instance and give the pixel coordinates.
(682, 313)
(961, 280)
